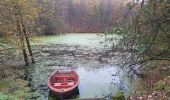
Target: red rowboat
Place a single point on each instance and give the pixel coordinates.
(63, 83)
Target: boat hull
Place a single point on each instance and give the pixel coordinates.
(65, 95)
(63, 84)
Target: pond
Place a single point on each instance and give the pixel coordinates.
(99, 74)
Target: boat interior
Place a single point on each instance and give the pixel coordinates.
(64, 80)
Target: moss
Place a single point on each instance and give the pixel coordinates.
(20, 82)
(4, 84)
(119, 96)
(18, 95)
(8, 97)
(15, 90)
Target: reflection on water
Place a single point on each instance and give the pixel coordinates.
(98, 82)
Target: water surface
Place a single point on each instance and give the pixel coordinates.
(99, 75)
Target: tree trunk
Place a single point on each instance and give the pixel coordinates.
(20, 21)
(22, 43)
(27, 41)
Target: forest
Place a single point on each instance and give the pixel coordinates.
(117, 49)
(66, 16)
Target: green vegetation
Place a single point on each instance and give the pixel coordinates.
(146, 34)
(161, 85)
(119, 96)
(4, 84)
(14, 90)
